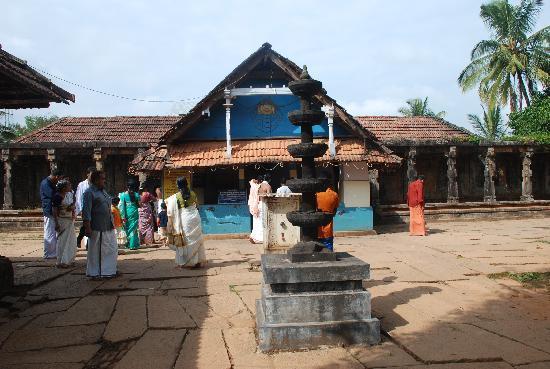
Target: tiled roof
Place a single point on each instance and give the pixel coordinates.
(121, 129)
(152, 159)
(212, 153)
(391, 128)
(23, 87)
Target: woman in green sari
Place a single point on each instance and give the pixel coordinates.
(129, 211)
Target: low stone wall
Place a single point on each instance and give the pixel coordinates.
(396, 214)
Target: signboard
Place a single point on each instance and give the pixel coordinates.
(232, 197)
(170, 176)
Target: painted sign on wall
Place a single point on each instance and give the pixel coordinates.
(169, 179)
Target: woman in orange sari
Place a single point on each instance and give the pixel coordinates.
(415, 201)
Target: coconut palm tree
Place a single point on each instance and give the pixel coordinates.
(492, 127)
(508, 67)
(419, 108)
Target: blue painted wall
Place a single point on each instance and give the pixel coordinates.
(227, 219)
(353, 219)
(220, 219)
(246, 123)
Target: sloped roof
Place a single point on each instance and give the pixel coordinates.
(394, 129)
(23, 87)
(143, 130)
(212, 153)
(293, 71)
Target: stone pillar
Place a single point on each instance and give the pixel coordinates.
(98, 158)
(527, 176)
(452, 184)
(52, 159)
(8, 195)
(489, 173)
(374, 187)
(411, 165)
(142, 177)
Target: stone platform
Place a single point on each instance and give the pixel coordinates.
(312, 304)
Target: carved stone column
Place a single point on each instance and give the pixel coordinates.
(374, 187)
(98, 158)
(527, 176)
(52, 159)
(452, 184)
(489, 173)
(411, 165)
(8, 195)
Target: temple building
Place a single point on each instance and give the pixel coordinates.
(240, 129)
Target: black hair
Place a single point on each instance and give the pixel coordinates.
(421, 177)
(115, 200)
(132, 190)
(96, 175)
(183, 186)
(163, 205)
(283, 181)
(90, 170)
(61, 185)
(56, 172)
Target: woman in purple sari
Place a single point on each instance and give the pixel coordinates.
(146, 219)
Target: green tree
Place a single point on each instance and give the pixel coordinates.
(508, 67)
(34, 122)
(534, 120)
(491, 127)
(419, 108)
(7, 133)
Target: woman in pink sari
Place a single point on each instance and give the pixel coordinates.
(146, 219)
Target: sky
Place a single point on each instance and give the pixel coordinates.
(371, 55)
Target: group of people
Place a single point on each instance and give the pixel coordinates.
(111, 222)
(326, 201)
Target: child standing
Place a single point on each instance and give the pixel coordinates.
(162, 223)
(117, 223)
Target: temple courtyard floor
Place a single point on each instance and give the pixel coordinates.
(446, 301)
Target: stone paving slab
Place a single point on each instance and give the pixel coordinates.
(330, 358)
(67, 286)
(383, 355)
(49, 307)
(156, 349)
(479, 365)
(166, 312)
(129, 319)
(71, 354)
(36, 339)
(466, 342)
(45, 366)
(8, 328)
(203, 349)
(89, 310)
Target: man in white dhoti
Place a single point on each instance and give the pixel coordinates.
(185, 228)
(80, 189)
(258, 188)
(47, 192)
(283, 191)
(99, 228)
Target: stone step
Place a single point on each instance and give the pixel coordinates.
(315, 306)
(293, 336)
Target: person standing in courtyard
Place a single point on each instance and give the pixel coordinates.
(117, 222)
(256, 236)
(129, 210)
(162, 223)
(99, 228)
(64, 215)
(184, 227)
(47, 192)
(415, 201)
(327, 202)
(146, 219)
(80, 189)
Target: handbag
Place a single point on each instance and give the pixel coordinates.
(121, 237)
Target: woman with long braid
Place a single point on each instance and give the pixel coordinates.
(184, 227)
(129, 210)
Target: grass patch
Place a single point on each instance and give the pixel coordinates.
(527, 279)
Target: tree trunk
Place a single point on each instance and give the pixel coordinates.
(523, 91)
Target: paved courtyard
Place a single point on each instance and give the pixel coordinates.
(438, 307)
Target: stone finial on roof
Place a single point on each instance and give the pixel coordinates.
(305, 73)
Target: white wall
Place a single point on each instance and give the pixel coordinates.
(355, 184)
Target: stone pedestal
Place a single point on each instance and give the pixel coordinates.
(306, 305)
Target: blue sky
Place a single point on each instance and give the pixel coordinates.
(371, 55)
